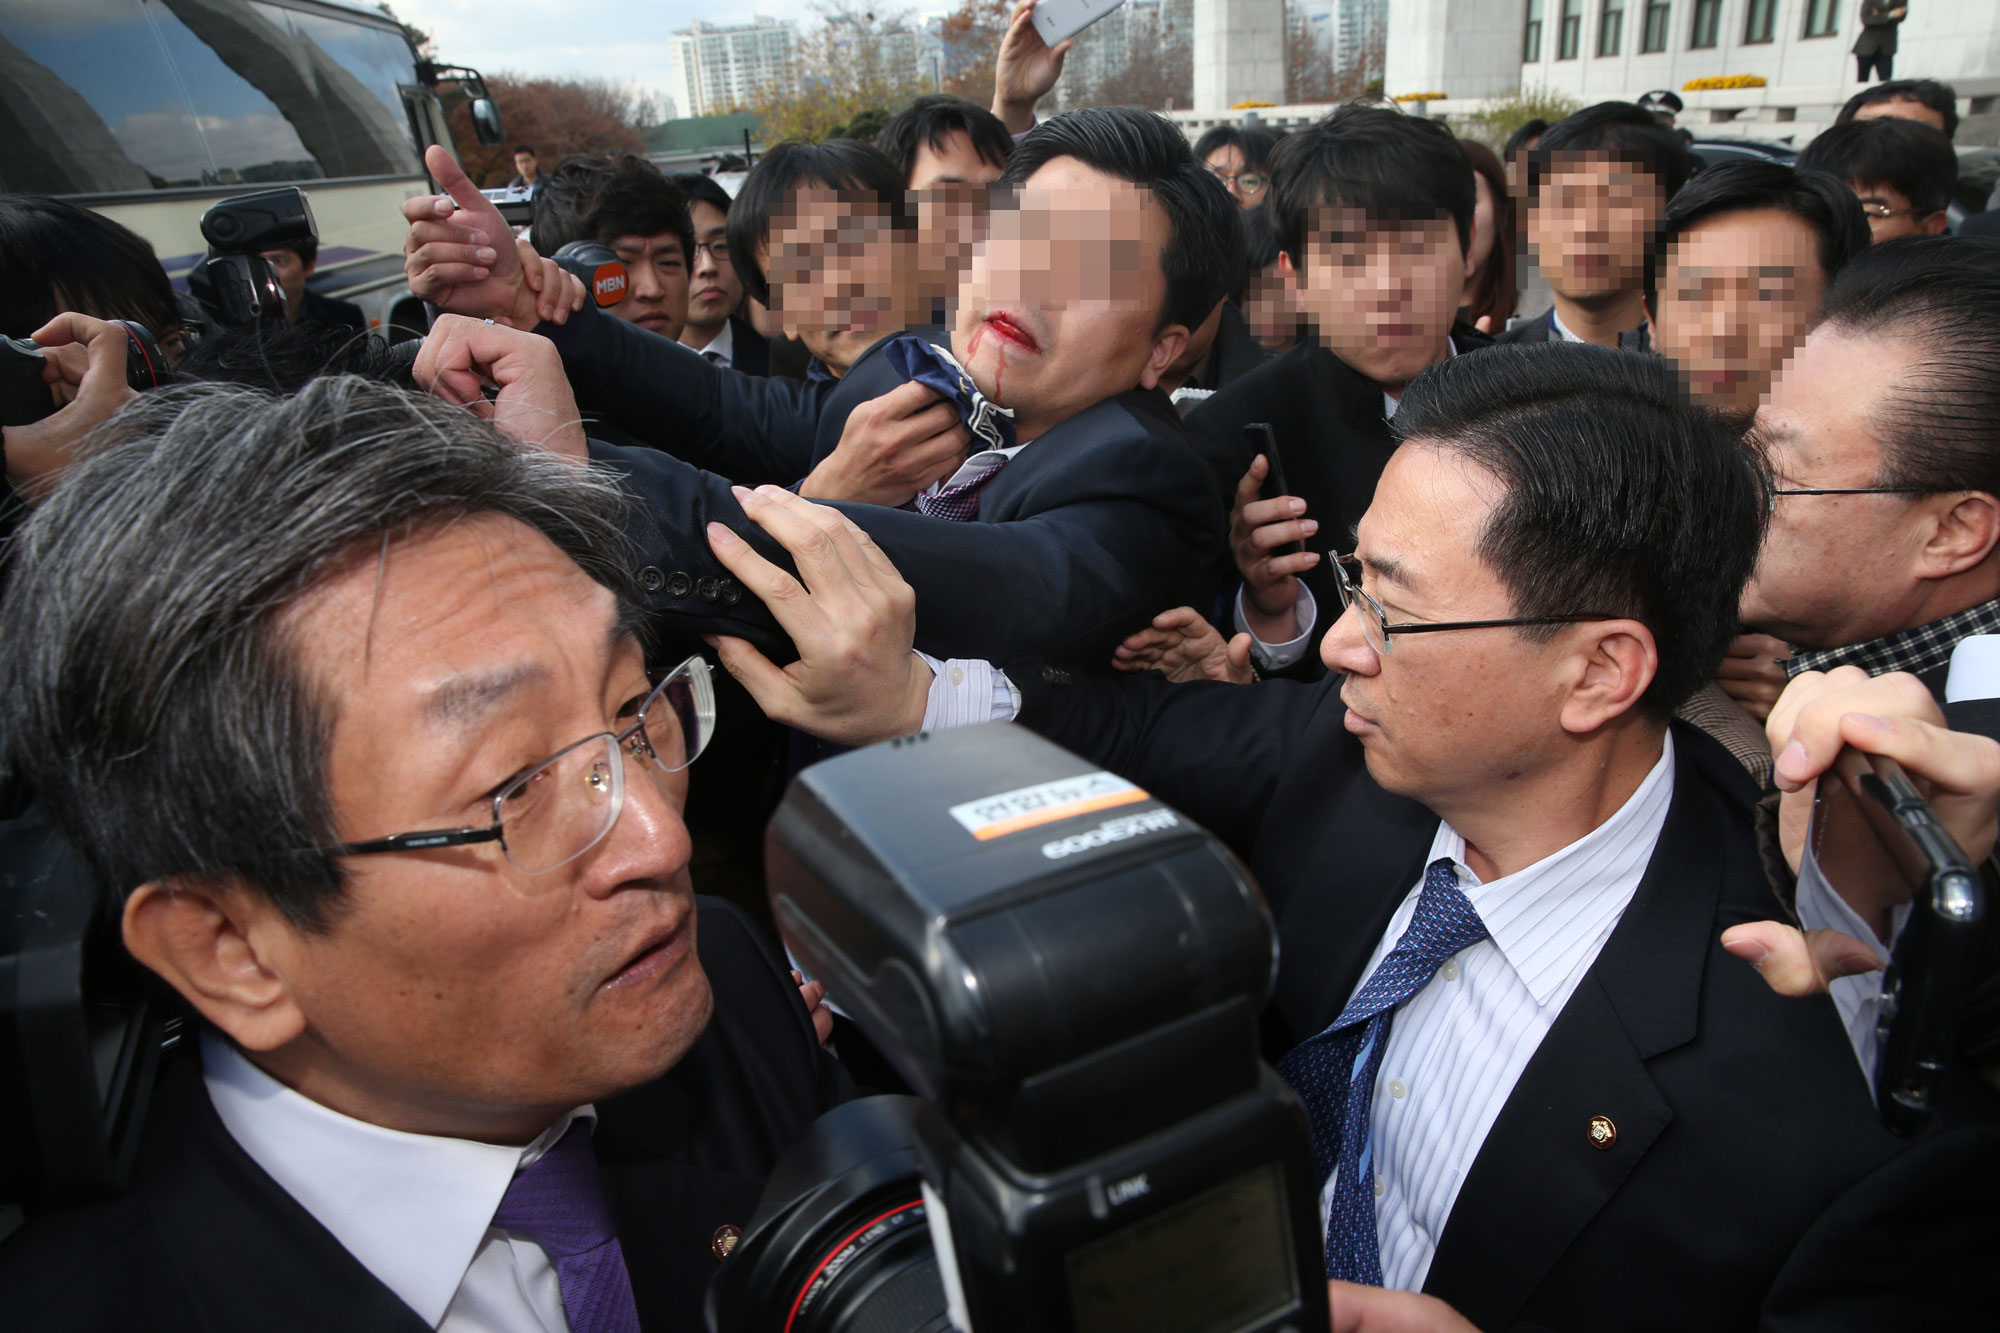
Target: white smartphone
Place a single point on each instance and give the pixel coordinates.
(1060, 20)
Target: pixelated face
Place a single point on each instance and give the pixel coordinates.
(291, 273)
(1902, 108)
(1834, 569)
(450, 980)
(1588, 225)
(1061, 306)
(714, 290)
(1890, 216)
(835, 271)
(1246, 186)
(1381, 293)
(1443, 718)
(656, 294)
(948, 190)
(1737, 293)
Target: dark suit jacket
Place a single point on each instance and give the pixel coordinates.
(1750, 1181)
(750, 351)
(332, 310)
(205, 1240)
(1542, 329)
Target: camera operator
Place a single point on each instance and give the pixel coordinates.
(293, 263)
(1501, 831)
(56, 256)
(511, 1075)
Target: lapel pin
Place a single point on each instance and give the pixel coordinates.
(725, 1239)
(1603, 1134)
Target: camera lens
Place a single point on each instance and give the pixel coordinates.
(840, 1242)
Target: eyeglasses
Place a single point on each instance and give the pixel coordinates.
(1375, 626)
(717, 250)
(1878, 210)
(1248, 182)
(563, 806)
(1842, 490)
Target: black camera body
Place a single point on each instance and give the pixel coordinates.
(25, 396)
(235, 284)
(1069, 975)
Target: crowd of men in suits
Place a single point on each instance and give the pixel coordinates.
(1508, 671)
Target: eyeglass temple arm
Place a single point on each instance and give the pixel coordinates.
(1496, 624)
(416, 842)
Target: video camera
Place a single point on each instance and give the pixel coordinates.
(599, 268)
(1069, 973)
(235, 284)
(26, 397)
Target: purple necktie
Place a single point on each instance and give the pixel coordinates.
(958, 504)
(559, 1204)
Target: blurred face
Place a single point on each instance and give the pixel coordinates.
(1246, 186)
(837, 272)
(1890, 216)
(1382, 294)
(1902, 109)
(1061, 306)
(291, 273)
(524, 165)
(948, 187)
(1589, 223)
(1736, 296)
(1443, 718)
(714, 290)
(453, 990)
(656, 297)
(1270, 308)
(1834, 569)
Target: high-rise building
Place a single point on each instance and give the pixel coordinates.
(712, 68)
(1359, 29)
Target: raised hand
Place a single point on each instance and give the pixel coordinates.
(1259, 530)
(1025, 70)
(462, 357)
(462, 257)
(83, 363)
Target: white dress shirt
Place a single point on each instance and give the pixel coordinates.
(721, 349)
(1857, 999)
(1458, 1047)
(416, 1210)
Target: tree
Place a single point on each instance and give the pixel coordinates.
(1501, 118)
(557, 116)
(850, 61)
(969, 39)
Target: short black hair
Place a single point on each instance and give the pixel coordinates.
(567, 193)
(930, 118)
(1619, 132)
(1391, 166)
(1911, 158)
(701, 188)
(284, 358)
(57, 256)
(1940, 422)
(1746, 185)
(1204, 254)
(1254, 141)
(838, 164)
(306, 248)
(592, 197)
(1623, 497)
(521, 148)
(1939, 97)
(1526, 133)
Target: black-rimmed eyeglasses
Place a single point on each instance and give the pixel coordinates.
(1777, 491)
(563, 806)
(1375, 626)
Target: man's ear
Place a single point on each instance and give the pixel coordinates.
(1615, 664)
(1936, 224)
(1289, 272)
(1965, 528)
(219, 946)
(1167, 349)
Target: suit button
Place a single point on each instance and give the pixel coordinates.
(651, 579)
(1603, 1134)
(725, 1239)
(1055, 675)
(732, 592)
(679, 584)
(708, 589)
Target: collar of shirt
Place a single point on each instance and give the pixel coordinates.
(1391, 402)
(1925, 648)
(1549, 918)
(413, 1208)
(722, 345)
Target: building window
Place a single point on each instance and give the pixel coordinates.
(1760, 21)
(1610, 27)
(1822, 19)
(1531, 34)
(1657, 14)
(1707, 24)
(1569, 37)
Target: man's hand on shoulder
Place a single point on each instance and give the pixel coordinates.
(848, 612)
(461, 256)
(890, 448)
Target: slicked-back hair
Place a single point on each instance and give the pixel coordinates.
(1615, 132)
(1253, 141)
(1939, 423)
(564, 197)
(701, 188)
(1939, 97)
(1622, 497)
(1748, 185)
(57, 256)
(1205, 251)
(845, 165)
(152, 689)
(1906, 155)
(929, 119)
(1395, 169)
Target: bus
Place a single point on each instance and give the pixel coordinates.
(149, 111)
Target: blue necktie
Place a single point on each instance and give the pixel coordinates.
(1334, 1072)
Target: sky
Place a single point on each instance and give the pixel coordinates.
(621, 40)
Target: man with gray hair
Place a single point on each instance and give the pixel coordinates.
(340, 698)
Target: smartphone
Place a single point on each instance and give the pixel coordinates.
(1060, 20)
(1878, 842)
(1261, 439)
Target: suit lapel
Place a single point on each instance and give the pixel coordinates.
(1540, 1177)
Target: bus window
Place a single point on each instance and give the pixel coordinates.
(249, 139)
(351, 73)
